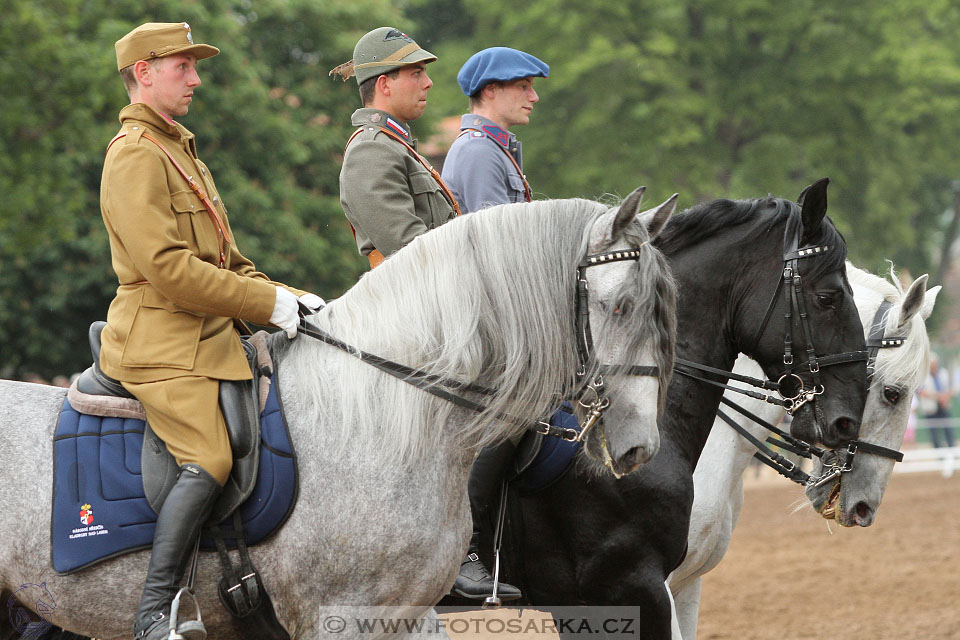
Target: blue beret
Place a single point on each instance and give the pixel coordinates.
(498, 64)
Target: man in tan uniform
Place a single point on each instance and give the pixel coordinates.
(389, 192)
(170, 335)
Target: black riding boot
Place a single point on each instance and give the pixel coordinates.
(182, 515)
(483, 487)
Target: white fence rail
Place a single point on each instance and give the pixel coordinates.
(946, 460)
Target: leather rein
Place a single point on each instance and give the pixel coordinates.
(835, 462)
(592, 393)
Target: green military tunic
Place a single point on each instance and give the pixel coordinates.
(387, 194)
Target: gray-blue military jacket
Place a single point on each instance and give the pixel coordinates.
(478, 171)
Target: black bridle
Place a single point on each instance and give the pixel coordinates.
(592, 393)
(790, 284)
(835, 462)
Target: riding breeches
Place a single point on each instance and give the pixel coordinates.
(185, 413)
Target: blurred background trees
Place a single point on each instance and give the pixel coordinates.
(710, 98)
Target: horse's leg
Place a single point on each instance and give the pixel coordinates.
(687, 600)
(433, 623)
(676, 631)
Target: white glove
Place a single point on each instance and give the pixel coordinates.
(286, 312)
(312, 301)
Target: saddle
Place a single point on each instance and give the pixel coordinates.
(540, 460)
(240, 402)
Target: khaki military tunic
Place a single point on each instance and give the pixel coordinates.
(172, 314)
(387, 194)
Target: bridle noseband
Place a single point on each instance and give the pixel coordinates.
(790, 284)
(835, 462)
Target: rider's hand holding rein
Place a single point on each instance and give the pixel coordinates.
(312, 301)
(285, 312)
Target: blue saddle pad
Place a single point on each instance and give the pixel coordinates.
(555, 455)
(99, 507)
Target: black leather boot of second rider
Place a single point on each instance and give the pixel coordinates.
(489, 469)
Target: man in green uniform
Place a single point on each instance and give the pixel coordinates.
(170, 335)
(389, 192)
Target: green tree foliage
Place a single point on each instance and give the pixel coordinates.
(737, 98)
(268, 121)
(711, 98)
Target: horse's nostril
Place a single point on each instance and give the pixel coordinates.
(635, 457)
(846, 425)
(862, 509)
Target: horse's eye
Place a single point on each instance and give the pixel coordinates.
(623, 308)
(891, 394)
(828, 299)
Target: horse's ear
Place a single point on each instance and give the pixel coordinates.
(655, 219)
(813, 203)
(913, 301)
(628, 210)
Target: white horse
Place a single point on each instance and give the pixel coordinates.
(855, 496)
(382, 516)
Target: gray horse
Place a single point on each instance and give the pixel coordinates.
(382, 516)
(853, 497)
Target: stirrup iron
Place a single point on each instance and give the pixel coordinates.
(190, 629)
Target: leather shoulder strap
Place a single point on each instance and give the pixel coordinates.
(223, 234)
(426, 165)
(527, 193)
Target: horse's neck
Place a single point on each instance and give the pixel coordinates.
(692, 405)
(726, 453)
(707, 332)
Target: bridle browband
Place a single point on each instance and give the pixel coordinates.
(451, 390)
(835, 462)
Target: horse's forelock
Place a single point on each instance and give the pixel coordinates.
(652, 290)
(906, 364)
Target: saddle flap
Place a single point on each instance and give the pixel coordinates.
(527, 450)
(158, 468)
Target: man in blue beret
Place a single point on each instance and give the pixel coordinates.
(484, 166)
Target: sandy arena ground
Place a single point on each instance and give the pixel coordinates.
(786, 577)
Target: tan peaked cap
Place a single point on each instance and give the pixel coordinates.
(159, 39)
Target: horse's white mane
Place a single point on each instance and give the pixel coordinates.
(907, 364)
(441, 304)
